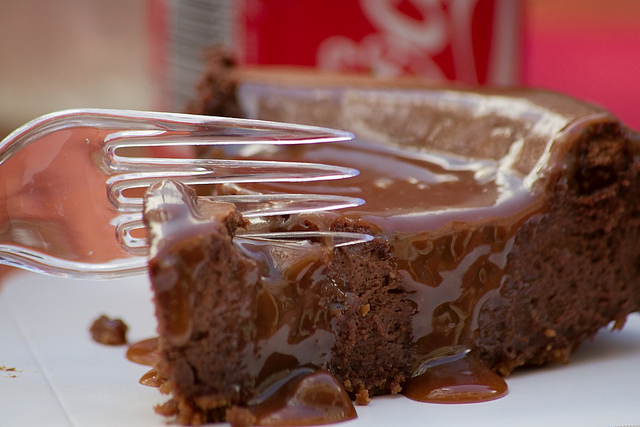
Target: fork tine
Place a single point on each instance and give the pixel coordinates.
(179, 130)
(170, 129)
(254, 205)
(210, 132)
(260, 205)
(131, 128)
(109, 141)
(333, 239)
(228, 131)
(232, 171)
(127, 224)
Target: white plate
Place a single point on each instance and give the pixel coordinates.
(63, 378)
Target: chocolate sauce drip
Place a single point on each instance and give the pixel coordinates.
(144, 352)
(152, 378)
(458, 378)
(303, 396)
(174, 221)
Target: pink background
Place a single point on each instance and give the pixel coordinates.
(586, 48)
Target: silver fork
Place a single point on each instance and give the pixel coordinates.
(71, 184)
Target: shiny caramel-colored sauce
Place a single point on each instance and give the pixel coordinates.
(144, 352)
(458, 378)
(152, 378)
(303, 396)
(450, 224)
(407, 191)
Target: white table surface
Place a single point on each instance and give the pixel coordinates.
(63, 378)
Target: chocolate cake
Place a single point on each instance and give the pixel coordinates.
(506, 229)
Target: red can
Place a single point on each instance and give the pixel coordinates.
(472, 41)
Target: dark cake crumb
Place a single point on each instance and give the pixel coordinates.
(362, 397)
(167, 408)
(105, 330)
(395, 387)
(364, 310)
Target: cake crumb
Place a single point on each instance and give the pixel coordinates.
(167, 408)
(395, 387)
(362, 397)
(364, 310)
(109, 331)
(11, 370)
(618, 323)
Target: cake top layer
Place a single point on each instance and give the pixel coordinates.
(526, 128)
(407, 190)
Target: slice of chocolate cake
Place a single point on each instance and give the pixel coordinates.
(506, 226)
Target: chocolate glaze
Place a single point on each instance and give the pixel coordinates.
(152, 378)
(446, 228)
(446, 269)
(172, 220)
(509, 146)
(302, 397)
(449, 223)
(457, 378)
(144, 352)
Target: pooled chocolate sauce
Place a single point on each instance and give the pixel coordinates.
(303, 396)
(458, 378)
(144, 352)
(152, 378)
(407, 191)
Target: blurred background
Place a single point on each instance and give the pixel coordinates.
(91, 53)
(71, 53)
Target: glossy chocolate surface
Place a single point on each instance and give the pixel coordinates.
(457, 378)
(302, 397)
(455, 175)
(449, 225)
(450, 221)
(144, 352)
(407, 191)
